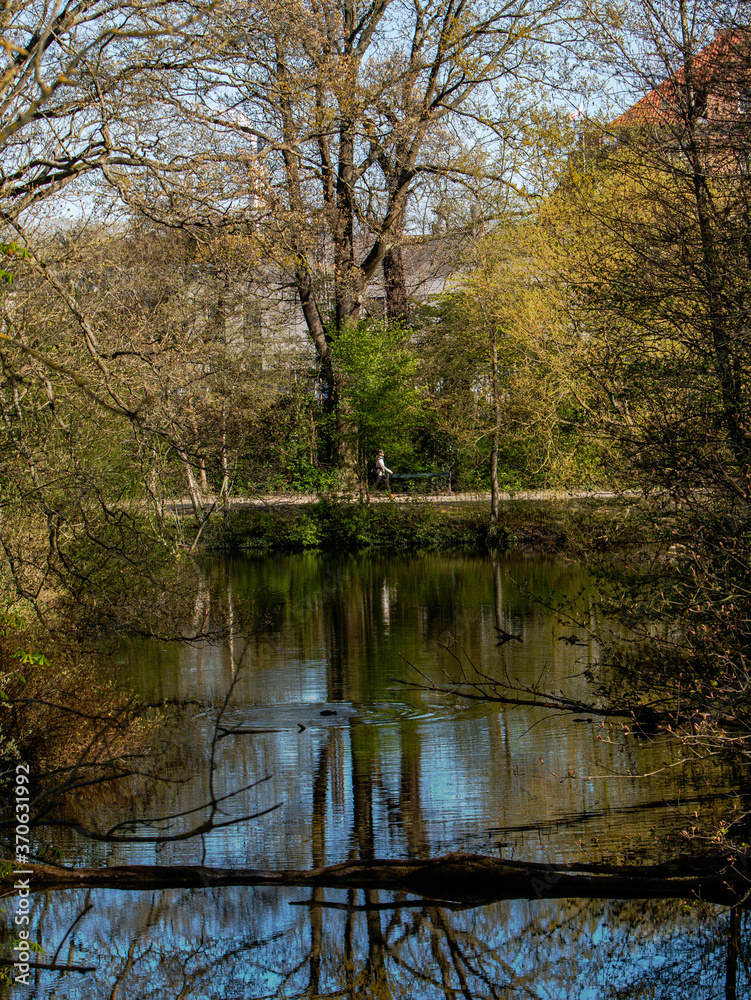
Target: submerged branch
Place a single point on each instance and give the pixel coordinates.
(668, 714)
(468, 878)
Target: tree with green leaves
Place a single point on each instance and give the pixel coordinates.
(494, 364)
(649, 250)
(381, 387)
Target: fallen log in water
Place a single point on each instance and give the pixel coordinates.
(465, 878)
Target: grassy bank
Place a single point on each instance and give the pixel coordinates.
(342, 525)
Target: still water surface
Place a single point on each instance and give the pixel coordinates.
(306, 699)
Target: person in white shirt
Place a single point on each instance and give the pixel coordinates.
(382, 471)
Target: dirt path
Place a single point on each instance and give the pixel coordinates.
(183, 505)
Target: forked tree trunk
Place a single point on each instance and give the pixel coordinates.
(194, 491)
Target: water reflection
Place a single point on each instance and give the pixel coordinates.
(314, 659)
(259, 943)
(314, 654)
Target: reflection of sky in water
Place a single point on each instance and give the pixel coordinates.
(359, 764)
(254, 943)
(404, 771)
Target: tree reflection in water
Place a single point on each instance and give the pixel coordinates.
(262, 943)
(393, 774)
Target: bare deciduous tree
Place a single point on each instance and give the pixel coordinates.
(317, 127)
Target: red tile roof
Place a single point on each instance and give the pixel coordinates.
(721, 70)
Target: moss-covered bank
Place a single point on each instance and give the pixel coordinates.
(342, 525)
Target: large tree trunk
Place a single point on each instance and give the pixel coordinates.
(394, 276)
(395, 285)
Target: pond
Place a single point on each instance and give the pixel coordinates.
(315, 715)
